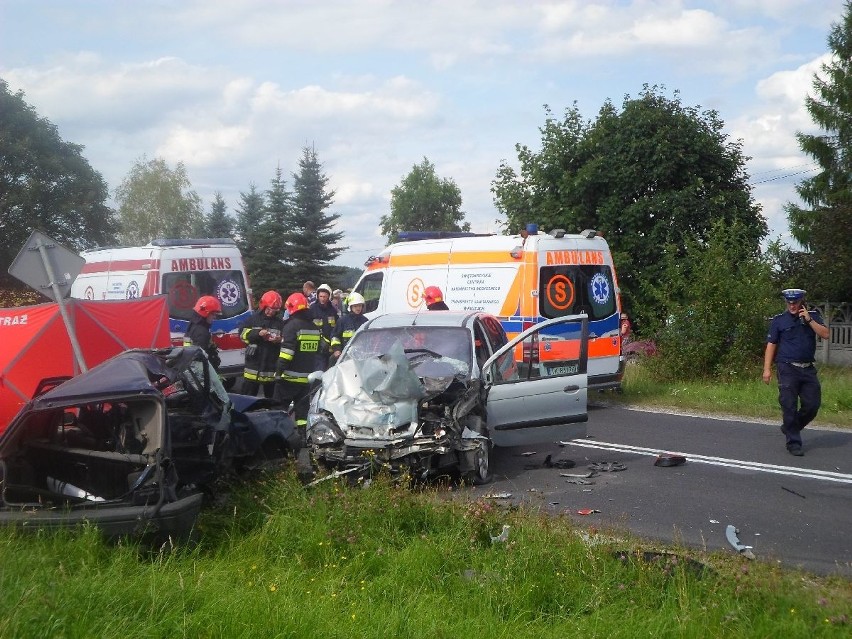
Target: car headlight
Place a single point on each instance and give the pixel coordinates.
(323, 430)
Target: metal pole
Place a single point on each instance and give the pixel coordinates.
(48, 267)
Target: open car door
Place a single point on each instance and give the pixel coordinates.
(542, 397)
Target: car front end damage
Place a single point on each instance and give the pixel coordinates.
(416, 416)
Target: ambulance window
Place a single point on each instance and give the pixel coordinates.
(566, 290)
(371, 288)
(184, 289)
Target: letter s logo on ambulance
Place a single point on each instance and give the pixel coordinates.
(414, 292)
(560, 292)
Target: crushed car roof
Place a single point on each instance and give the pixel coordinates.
(129, 373)
(425, 318)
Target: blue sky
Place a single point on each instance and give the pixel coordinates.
(234, 89)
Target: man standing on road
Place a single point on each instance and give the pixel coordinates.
(791, 344)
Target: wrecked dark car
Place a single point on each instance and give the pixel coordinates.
(133, 445)
(429, 393)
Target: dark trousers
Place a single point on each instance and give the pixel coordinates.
(800, 395)
(251, 387)
(299, 394)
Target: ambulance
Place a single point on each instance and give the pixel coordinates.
(521, 279)
(184, 270)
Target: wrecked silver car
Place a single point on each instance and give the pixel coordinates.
(133, 445)
(426, 393)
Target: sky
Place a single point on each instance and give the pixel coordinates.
(235, 89)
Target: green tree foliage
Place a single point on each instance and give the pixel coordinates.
(311, 244)
(824, 225)
(155, 200)
(651, 177)
(424, 202)
(249, 232)
(45, 184)
(218, 223)
(718, 303)
(267, 268)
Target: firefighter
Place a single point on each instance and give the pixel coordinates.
(434, 299)
(349, 323)
(206, 309)
(325, 319)
(261, 333)
(299, 345)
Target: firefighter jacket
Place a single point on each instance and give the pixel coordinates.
(299, 345)
(325, 319)
(346, 328)
(261, 354)
(198, 334)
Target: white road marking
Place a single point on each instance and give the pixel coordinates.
(843, 478)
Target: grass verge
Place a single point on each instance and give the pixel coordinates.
(749, 397)
(335, 561)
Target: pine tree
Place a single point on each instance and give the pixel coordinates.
(270, 272)
(310, 241)
(824, 228)
(218, 222)
(249, 231)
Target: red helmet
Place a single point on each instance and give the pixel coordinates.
(206, 305)
(271, 299)
(296, 302)
(432, 294)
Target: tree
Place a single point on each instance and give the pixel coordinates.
(218, 223)
(424, 202)
(249, 230)
(653, 175)
(157, 201)
(824, 225)
(268, 270)
(717, 303)
(310, 241)
(45, 184)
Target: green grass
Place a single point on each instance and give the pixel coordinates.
(749, 397)
(278, 560)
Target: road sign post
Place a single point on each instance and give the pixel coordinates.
(36, 265)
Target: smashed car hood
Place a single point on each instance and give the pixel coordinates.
(382, 393)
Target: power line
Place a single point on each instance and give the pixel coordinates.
(781, 177)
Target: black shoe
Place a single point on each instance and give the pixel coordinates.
(796, 450)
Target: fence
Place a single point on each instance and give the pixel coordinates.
(837, 349)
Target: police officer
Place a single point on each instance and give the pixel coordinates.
(349, 323)
(261, 333)
(434, 298)
(299, 344)
(791, 344)
(206, 309)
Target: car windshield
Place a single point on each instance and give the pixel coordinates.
(420, 343)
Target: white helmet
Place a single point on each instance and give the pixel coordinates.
(353, 299)
(326, 288)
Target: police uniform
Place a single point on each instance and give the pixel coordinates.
(799, 391)
(261, 354)
(299, 345)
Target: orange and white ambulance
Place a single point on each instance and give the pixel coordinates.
(521, 279)
(184, 270)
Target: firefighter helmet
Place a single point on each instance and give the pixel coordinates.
(432, 294)
(354, 299)
(296, 302)
(271, 299)
(206, 305)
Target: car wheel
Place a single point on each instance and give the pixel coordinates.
(481, 473)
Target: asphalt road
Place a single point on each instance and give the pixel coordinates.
(792, 510)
